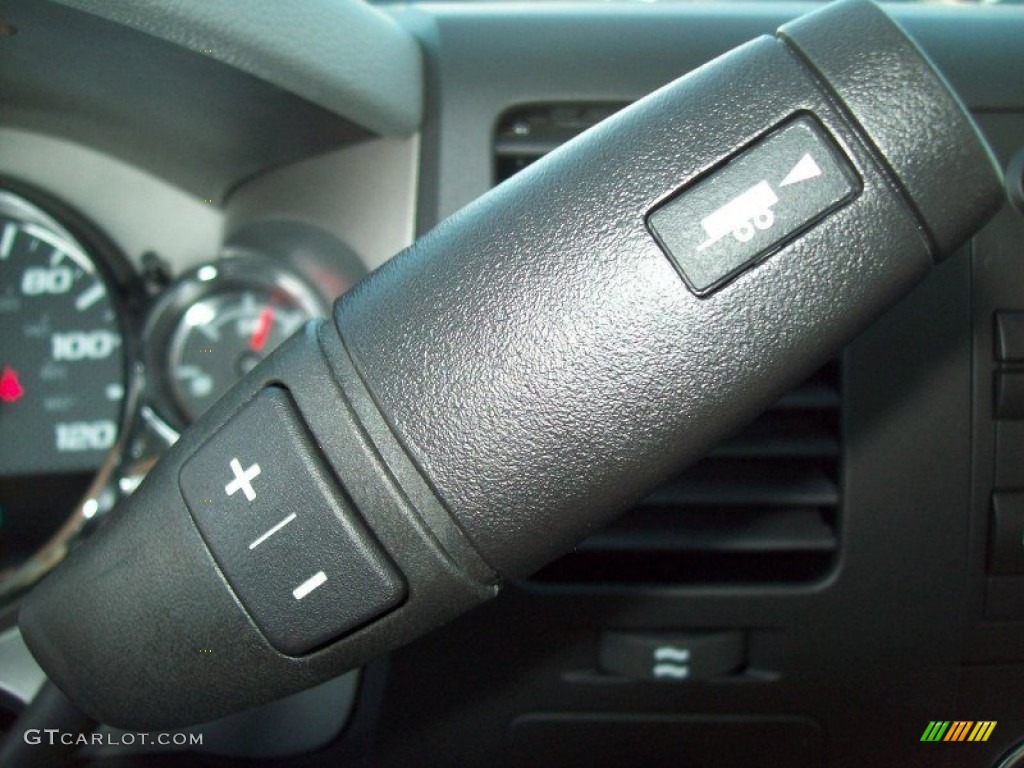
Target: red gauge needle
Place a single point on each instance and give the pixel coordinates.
(262, 330)
(10, 386)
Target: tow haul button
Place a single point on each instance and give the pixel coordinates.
(749, 208)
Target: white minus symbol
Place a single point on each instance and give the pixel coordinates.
(309, 585)
(272, 531)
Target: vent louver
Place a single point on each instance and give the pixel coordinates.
(762, 507)
(526, 134)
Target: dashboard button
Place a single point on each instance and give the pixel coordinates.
(1007, 533)
(753, 205)
(1010, 336)
(291, 546)
(672, 656)
(1009, 395)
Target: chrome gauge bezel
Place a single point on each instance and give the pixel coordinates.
(30, 206)
(236, 268)
(149, 421)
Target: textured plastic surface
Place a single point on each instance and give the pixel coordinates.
(550, 388)
(907, 111)
(168, 642)
(741, 213)
(884, 630)
(285, 535)
(542, 363)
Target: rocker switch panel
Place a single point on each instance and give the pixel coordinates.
(297, 555)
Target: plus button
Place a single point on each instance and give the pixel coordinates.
(243, 480)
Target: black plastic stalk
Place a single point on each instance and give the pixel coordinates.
(522, 374)
(537, 353)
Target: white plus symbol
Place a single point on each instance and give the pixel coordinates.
(243, 480)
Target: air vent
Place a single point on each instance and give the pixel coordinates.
(762, 508)
(528, 133)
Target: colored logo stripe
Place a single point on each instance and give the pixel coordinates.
(982, 730)
(935, 730)
(958, 730)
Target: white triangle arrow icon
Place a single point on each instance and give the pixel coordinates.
(805, 169)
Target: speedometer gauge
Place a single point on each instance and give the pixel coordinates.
(61, 364)
(62, 374)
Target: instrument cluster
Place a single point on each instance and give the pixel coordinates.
(103, 364)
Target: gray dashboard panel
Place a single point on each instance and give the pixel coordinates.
(139, 211)
(364, 194)
(344, 55)
(182, 115)
(483, 59)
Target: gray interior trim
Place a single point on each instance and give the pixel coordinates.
(139, 211)
(364, 194)
(182, 115)
(343, 55)
(20, 676)
(484, 58)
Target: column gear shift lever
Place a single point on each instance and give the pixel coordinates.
(522, 374)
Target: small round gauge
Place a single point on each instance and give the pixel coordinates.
(230, 315)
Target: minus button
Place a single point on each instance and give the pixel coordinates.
(309, 585)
